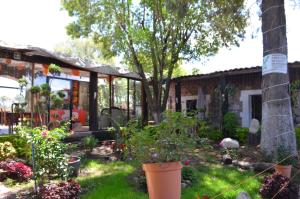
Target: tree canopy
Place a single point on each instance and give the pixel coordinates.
(158, 34)
(84, 48)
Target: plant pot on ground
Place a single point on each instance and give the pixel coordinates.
(284, 161)
(160, 148)
(74, 166)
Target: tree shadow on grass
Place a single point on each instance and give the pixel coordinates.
(214, 180)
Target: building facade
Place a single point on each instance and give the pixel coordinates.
(237, 90)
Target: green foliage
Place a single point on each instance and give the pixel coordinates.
(208, 131)
(230, 124)
(89, 143)
(7, 151)
(155, 37)
(284, 156)
(189, 173)
(85, 49)
(241, 134)
(49, 156)
(22, 147)
(45, 89)
(297, 132)
(35, 89)
(165, 142)
(22, 82)
(54, 69)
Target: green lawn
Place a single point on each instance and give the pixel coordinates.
(109, 181)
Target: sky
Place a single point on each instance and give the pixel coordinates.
(42, 23)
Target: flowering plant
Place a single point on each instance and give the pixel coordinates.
(63, 190)
(7, 151)
(167, 141)
(50, 159)
(16, 170)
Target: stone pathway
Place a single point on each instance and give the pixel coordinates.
(4, 191)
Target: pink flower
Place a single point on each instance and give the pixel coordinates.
(44, 133)
(187, 162)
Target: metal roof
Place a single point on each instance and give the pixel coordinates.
(74, 61)
(235, 71)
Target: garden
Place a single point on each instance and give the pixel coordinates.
(38, 163)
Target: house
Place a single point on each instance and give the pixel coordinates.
(89, 88)
(236, 90)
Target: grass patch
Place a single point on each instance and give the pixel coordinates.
(214, 179)
(109, 181)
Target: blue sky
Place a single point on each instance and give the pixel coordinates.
(42, 23)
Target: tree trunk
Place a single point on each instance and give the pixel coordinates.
(277, 122)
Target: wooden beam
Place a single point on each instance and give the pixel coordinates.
(178, 96)
(93, 99)
(144, 105)
(128, 109)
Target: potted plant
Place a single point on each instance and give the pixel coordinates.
(284, 161)
(160, 148)
(89, 143)
(74, 166)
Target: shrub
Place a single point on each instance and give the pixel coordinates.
(230, 123)
(23, 149)
(282, 153)
(272, 184)
(89, 143)
(49, 156)
(167, 141)
(63, 190)
(189, 176)
(208, 131)
(7, 151)
(241, 134)
(16, 170)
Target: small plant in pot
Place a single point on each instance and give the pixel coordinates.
(89, 143)
(284, 161)
(160, 148)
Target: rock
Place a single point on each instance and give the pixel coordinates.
(4, 191)
(244, 165)
(243, 195)
(227, 159)
(254, 126)
(261, 166)
(228, 143)
(183, 185)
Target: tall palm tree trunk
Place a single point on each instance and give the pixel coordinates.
(277, 120)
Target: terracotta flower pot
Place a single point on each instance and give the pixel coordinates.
(163, 180)
(284, 170)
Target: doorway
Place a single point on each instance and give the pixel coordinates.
(256, 101)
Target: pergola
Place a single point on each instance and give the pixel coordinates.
(36, 55)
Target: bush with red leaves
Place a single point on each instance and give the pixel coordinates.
(274, 183)
(16, 170)
(63, 190)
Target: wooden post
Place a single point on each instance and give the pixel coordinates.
(93, 106)
(111, 97)
(178, 96)
(128, 109)
(144, 105)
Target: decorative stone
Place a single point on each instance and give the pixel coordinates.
(227, 159)
(243, 195)
(254, 126)
(228, 143)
